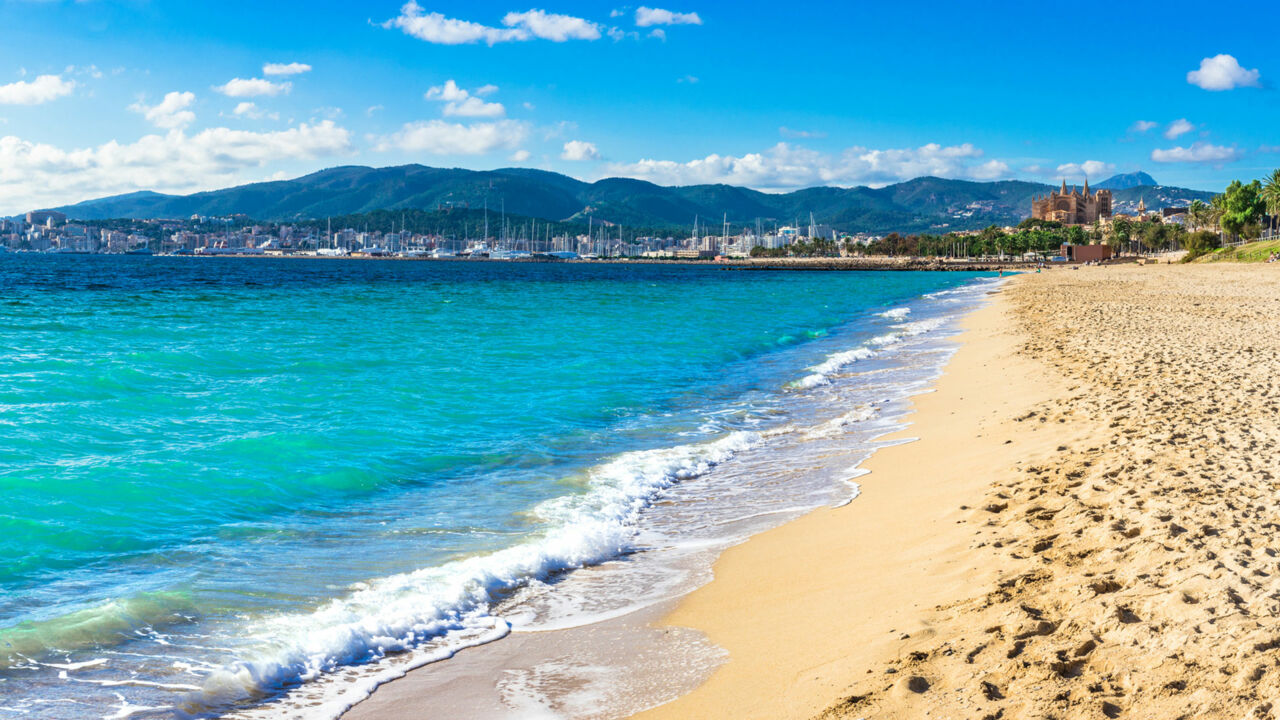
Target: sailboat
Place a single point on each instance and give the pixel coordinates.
(333, 250)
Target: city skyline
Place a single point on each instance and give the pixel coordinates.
(100, 98)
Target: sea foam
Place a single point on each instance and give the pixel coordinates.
(401, 612)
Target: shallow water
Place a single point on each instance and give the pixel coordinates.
(226, 477)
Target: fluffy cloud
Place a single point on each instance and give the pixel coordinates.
(518, 27)
(579, 151)
(253, 112)
(785, 167)
(520, 156)
(253, 87)
(293, 68)
(36, 175)
(38, 91)
(1142, 126)
(1199, 152)
(549, 26)
(1178, 127)
(1087, 169)
(460, 103)
(438, 137)
(646, 16)
(169, 113)
(1223, 72)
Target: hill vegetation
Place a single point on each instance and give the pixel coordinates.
(926, 204)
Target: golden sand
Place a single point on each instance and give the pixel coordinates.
(1088, 526)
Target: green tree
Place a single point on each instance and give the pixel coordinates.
(1271, 195)
(1199, 243)
(1121, 230)
(1197, 215)
(1242, 207)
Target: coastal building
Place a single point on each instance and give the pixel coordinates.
(1086, 253)
(45, 217)
(1074, 207)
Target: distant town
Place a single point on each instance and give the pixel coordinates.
(1068, 223)
(49, 231)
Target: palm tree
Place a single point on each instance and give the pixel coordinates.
(1197, 214)
(1271, 195)
(1217, 206)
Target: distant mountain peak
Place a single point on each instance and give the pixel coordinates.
(1126, 181)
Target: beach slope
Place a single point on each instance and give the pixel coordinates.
(1084, 529)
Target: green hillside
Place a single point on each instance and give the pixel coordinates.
(923, 204)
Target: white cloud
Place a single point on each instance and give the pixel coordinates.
(1087, 169)
(658, 34)
(518, 27)
(520, 156)
(90, 70)
(253, 87)
(1178, 127)
(438, 137)
(690, 79)
(474, 107)
(989, 170)
(1142, 126)
(36, 175)
(646, 16)
(369, 112)
(293, 68)
(785, 166)
(1223, 72)
(251, 110)
(169, 113)
(579, 151)
(38, 91)
(1198, 152)
(448, 92)
(553, 27)
(460, 103)
(484, 90)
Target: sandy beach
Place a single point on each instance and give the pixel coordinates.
(1084, 529)
(1077, 524)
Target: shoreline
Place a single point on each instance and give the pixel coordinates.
(1085, 529)
(566, 659)
(466, 681)
(806, 607)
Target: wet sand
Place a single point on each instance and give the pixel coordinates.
(1086, 528)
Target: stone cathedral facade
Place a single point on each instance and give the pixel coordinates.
(1073, 207)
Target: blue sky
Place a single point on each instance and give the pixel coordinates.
(99, 97)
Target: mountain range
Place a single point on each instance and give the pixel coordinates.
(923, 204)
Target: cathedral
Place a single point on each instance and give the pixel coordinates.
(1074, 207)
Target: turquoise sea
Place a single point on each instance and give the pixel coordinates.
(225, 479)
